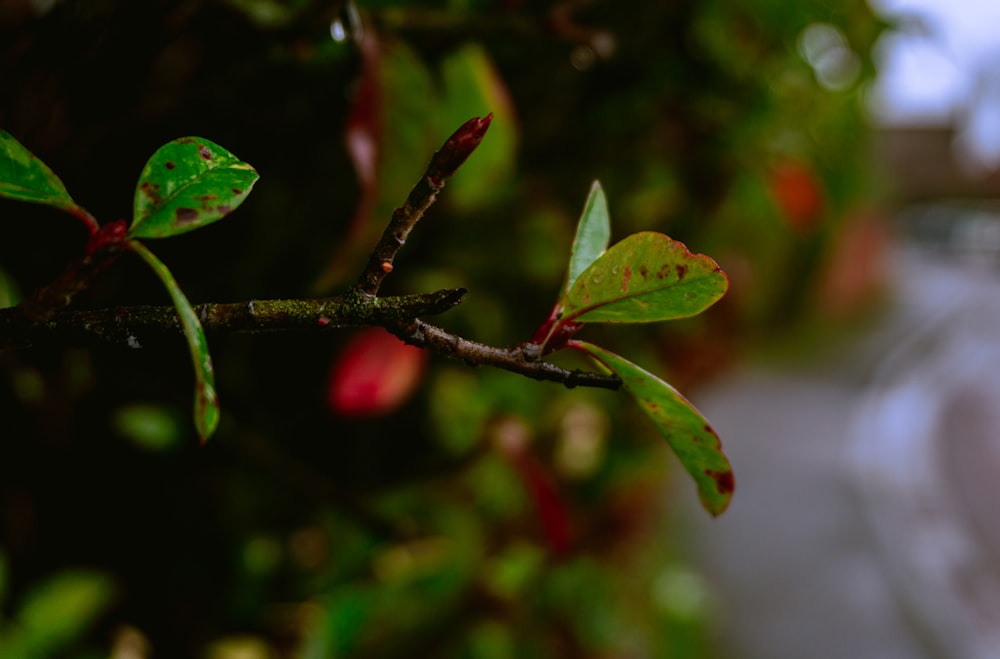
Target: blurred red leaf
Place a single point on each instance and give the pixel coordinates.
(551, 509)
(798, 193)
(512, 439)
(374, 375)
(363, 132)
(363, 137)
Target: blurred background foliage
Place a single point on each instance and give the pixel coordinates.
(452, 512)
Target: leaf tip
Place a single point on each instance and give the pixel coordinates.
(206, 414)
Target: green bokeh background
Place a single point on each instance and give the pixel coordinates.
(298, 533)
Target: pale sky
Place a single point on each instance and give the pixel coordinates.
(943, 65)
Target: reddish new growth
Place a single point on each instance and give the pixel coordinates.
(458, 148)
(554, 333)
(111, 234)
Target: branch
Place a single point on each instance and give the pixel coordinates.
(43, 320)
(139, 325)
(134, 326)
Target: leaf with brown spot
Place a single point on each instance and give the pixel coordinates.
(687, 432)
(187, 184)
(644, 278)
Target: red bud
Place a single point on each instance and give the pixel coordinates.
(111, 234)
(458, 148)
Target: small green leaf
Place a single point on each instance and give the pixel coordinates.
(644, 278)
(206, 403)
(687, 432)
(186, 185)
(593, 233)
(26, 178)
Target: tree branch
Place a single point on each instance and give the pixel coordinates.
(134, 326)
(138, 325)
(43, 320)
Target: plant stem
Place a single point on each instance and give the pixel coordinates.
(443, 165)
(104, 247)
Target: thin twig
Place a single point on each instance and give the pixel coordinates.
(443, 165)
(513, 358)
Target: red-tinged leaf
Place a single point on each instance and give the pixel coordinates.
(363, 132)
(551, 509)
(687, 432)
(512, 439)
(644, 278)
(375, 374)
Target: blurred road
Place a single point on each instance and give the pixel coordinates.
(866, 521)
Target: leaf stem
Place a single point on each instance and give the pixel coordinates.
(88, 220)
(104, 247)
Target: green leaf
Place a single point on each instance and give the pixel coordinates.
(187, 184)
(26, 178)
(206, 403)
(593, 233)
(644, 278)
(687, 432)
